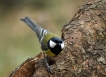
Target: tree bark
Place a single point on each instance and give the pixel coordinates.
(85, 51)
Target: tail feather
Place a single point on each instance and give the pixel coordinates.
(39, 31)
(30, 23)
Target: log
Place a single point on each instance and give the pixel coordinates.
(84, 54)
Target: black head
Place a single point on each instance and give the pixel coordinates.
(56, 45)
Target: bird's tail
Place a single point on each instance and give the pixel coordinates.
(39, 31)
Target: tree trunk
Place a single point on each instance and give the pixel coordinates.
(85, 51)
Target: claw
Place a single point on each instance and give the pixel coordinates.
(47, 65)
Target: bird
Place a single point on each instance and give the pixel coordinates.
(51, 44)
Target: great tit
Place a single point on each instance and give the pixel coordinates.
(50, 43)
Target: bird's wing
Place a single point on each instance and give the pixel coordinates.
(37, 29)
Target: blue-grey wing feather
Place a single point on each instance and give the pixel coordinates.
(38, 30)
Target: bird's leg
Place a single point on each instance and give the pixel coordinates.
(47, 65)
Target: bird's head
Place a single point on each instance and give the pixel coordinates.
(56, 45)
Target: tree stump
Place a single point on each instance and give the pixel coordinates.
(84, 54)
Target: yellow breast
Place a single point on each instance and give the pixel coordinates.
(49, 53)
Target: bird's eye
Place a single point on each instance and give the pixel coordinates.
(52, 44)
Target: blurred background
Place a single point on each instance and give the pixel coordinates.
(17, 41)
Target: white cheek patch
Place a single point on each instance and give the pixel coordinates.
(52, 44)
(62, 45)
